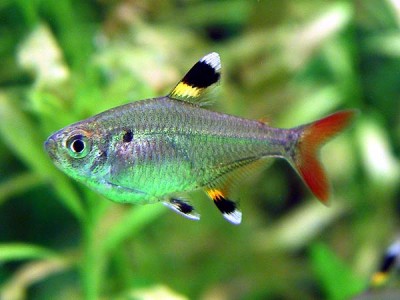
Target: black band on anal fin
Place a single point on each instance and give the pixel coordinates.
(228, 208)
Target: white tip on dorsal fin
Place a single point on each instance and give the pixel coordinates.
(201, 77)
(213, 60)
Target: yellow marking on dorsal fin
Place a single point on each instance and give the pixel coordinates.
(184, 90)
(264, 120)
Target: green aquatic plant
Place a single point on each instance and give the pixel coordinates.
(286, 62)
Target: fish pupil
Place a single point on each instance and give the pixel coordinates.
(78, 146)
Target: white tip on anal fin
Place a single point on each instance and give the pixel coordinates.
(234, 217)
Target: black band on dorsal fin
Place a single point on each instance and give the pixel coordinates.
(204, 74)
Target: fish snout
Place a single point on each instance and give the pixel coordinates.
(50, 145)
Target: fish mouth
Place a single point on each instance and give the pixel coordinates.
(50, 146)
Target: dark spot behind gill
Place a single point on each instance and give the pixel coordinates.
(128, 136)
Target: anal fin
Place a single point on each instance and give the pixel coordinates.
(182, 207)
(219, 187)
(229, 209)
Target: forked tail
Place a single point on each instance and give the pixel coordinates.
(305, 156)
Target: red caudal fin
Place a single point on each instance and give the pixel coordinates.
(305, 158)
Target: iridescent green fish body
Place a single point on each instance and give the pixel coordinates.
(156, 149)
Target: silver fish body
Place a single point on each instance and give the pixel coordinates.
(153, 150)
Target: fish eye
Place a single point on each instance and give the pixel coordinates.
(78, 145)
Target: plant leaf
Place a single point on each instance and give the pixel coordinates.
(19, 251)
(134, 220)
(335, 277)
(22, 137)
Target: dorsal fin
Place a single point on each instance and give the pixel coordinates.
(199, 80)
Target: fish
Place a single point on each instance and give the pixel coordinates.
(380, 286)
(390, 262)
(160, 149)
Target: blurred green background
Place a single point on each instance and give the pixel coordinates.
(289, 62)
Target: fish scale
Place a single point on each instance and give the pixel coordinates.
(156, 149)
